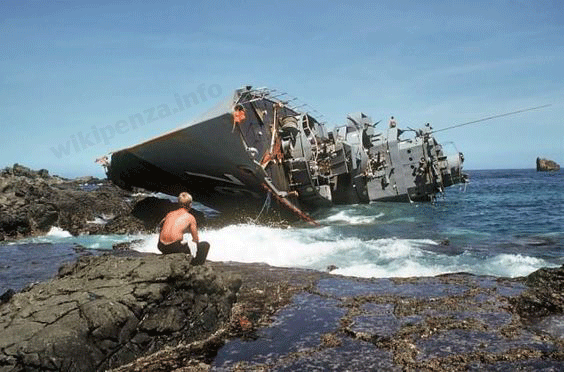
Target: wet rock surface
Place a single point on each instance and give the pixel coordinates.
(105, 311)
(446, 323)
(544, 296)
(288, 319)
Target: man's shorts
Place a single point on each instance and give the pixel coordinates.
(176, 247)
(179, 247)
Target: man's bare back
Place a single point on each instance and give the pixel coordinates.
(175, 224)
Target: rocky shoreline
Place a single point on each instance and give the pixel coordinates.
(291, 319)
(105, 311)
(147, 312)
(127, 311)
(32, 202)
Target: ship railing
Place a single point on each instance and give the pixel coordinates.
(292, 102)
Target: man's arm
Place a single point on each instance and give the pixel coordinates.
(193, 228)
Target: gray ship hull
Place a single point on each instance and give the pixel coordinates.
(255, 150)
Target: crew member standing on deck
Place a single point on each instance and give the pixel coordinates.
(175, 224)
(392, 122)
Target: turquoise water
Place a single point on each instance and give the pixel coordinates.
(503, 223)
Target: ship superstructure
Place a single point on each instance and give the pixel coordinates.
(256, 146)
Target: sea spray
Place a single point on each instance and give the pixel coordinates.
(57, 232)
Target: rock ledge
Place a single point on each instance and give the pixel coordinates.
(103, 312)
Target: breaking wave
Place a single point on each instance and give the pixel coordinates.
(319, 248)
(324, 247)
(464, 232)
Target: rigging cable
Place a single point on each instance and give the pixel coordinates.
(286, 203)
(266, 205)
(492, 117)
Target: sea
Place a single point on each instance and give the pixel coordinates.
(503, 223)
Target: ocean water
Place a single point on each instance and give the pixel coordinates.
(503, 223)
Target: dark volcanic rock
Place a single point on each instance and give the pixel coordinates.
(126, 246)
(454, 322)
(31, 202)
(545, 165)
(451, 322)
(545, 295)
(102, 312)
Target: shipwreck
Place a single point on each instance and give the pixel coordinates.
(256, 147)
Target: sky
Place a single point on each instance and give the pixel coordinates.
(71, 71)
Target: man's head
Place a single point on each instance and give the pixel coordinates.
(185, 200)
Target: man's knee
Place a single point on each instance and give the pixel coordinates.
(201, 253)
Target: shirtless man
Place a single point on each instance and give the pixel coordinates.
(175, 224)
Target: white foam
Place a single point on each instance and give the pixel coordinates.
(318, 248)
(314, 248)
(57, 235)
(275, 246)
(401, 269)
(512, 265)
(104, 241)
(343, 217)
(148, 245)
(420, 263)
(57, 232)
(98, 221)
(397, 248)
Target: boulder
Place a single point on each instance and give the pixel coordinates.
(106, 311)
(545, 165)
(545, 295)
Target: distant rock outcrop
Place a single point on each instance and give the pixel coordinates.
(102, 312)
(544, 165)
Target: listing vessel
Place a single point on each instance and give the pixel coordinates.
(256, 147)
